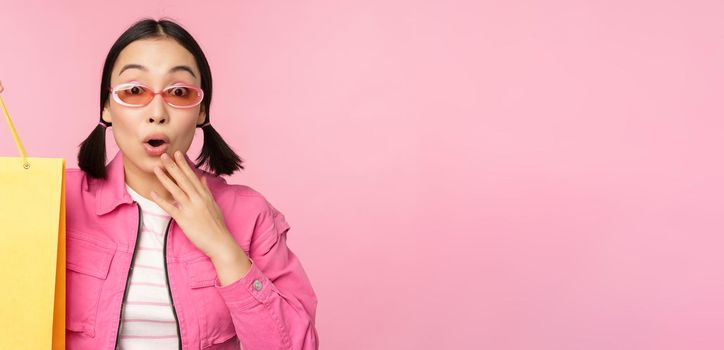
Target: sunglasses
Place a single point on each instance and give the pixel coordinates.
(138, 95)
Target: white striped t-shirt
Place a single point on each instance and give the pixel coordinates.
(147, 321)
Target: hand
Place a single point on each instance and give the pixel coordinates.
(196, 211)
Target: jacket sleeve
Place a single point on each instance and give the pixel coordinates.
(273, 306)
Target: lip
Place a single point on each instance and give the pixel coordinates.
(156, 136)
(155, 151)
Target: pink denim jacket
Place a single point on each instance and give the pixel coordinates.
(271, 307)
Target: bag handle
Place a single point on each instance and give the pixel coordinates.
(26, 164)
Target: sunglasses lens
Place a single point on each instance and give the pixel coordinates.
(135, 95)
(182, 96)
(178, 96)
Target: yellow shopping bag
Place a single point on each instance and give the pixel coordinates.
(32, 250)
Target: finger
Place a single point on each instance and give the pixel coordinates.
(176, 192)
(1, 86)
(165, 205)
(186, 169)
(181, 179)
(206, 186)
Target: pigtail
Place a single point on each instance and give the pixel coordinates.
(220, 158)
(92, 154)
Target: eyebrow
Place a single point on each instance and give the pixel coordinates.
(172, 70)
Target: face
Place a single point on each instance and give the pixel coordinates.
(154, 64)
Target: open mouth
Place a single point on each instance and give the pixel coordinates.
(156, 147)
(155, 142)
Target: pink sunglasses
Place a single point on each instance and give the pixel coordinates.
(139, 95)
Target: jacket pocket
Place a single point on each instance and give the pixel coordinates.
(87, 266)
(215, 321)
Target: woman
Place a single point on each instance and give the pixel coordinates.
(161, 253)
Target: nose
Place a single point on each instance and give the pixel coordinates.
(158, 110)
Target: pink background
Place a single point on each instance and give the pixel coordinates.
(457, 174)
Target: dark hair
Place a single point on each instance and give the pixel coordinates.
(220, 158)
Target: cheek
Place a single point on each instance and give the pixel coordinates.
(125, 130)
(185, 140)
(186, 126)
(126, 140)
(124, 117)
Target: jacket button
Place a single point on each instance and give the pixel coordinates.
(257, 285)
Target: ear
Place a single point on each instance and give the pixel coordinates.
(202, 115)
(106, 115)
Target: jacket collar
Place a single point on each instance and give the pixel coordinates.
(112, 191)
